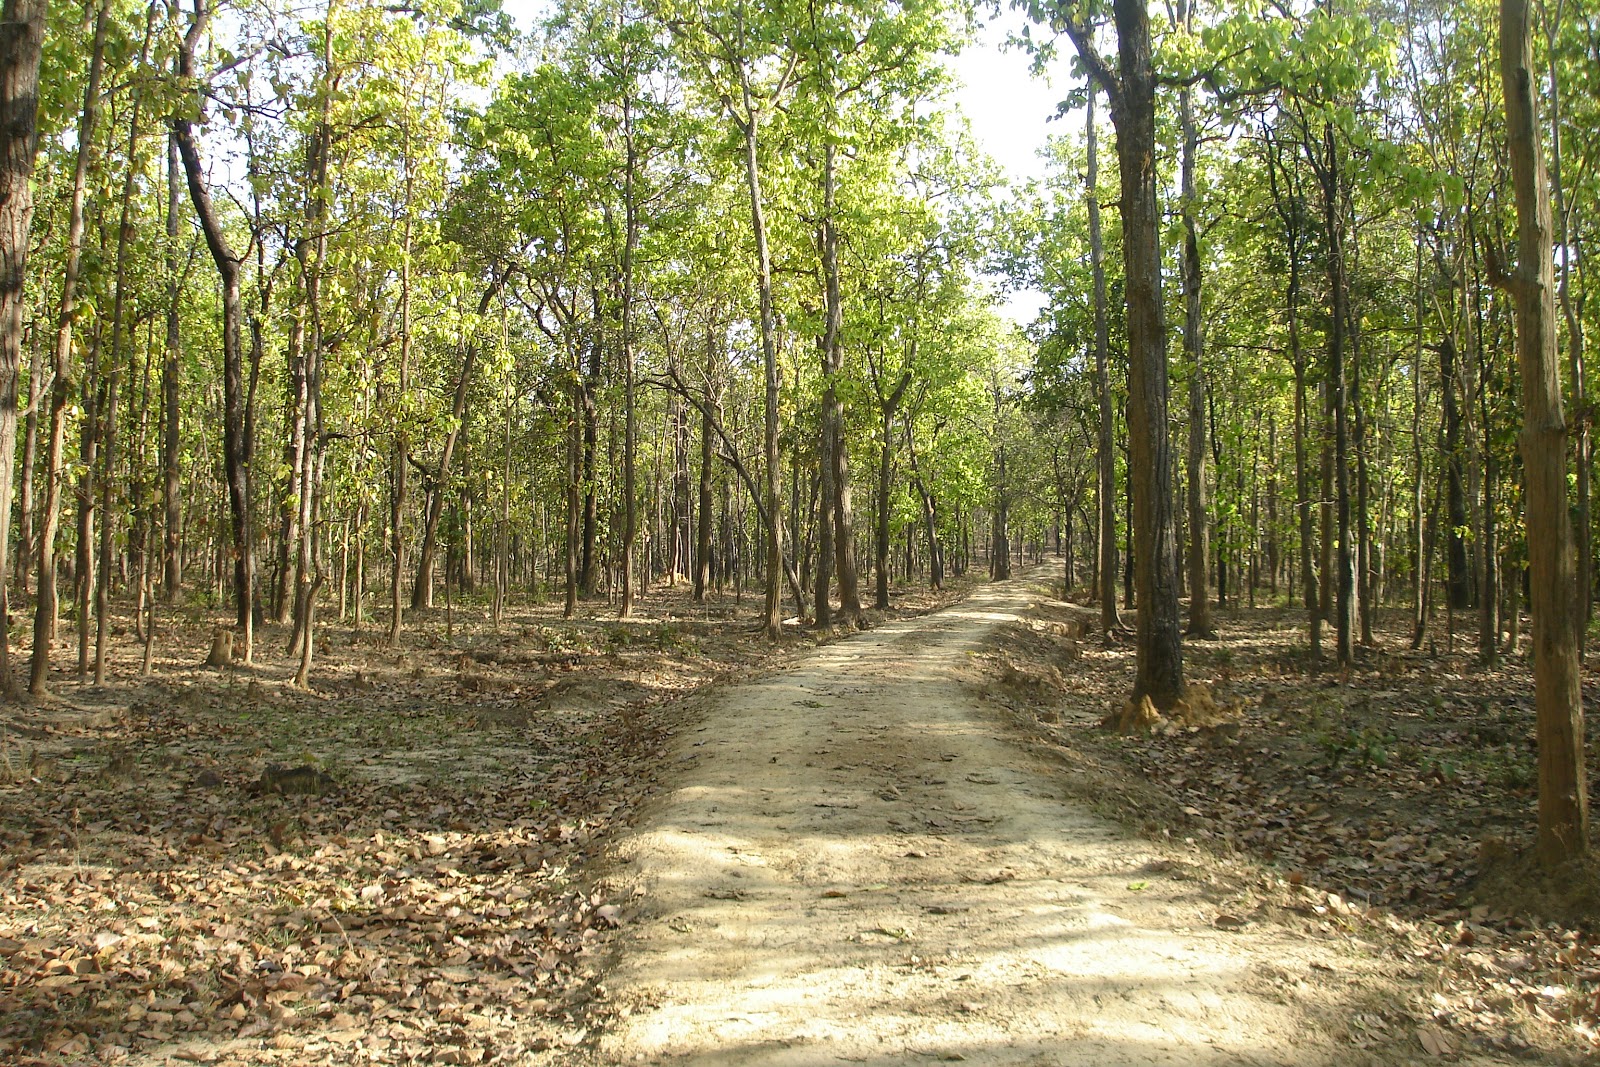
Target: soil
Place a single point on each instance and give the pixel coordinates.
(863, 862)
(665, 840)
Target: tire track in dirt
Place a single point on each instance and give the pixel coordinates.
(858, 866)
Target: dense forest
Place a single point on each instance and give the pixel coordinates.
(324, 308)
(359, 319)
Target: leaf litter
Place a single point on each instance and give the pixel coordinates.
(217, 868)
(1393, 803)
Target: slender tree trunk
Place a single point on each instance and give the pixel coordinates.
(311, 253)
(630, 443)
(27, 517)
(703, 513)
(402, 443)
(1363, 520)
(1200, 622)
(1106, 456)
(772, 610)
(589, 384)
(91, 403)
(171, 414)
(61, 390)
(1000, 540)
(21, 42)
(887, 406)
(1329, 173)
(1568, 246)
(422, 585)
(108, 477)
(236, 414)
(292, 461)
(1557, 618)
(1459, 569)
(574, 518)
(842, 510)
(1419, 574)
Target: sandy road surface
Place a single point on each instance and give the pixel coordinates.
(859, 867)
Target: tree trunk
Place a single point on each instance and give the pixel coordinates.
(236, 414)
(45, 606)
(1557, 634)
(401, 452)
(1106, 457)
(1000, 539)
(589, 383)
(630, 443)
(422, 585)
(1200, 622)
(1569, 242)
(1159, 667)
(108, 478)
(1330, 175)
(171, 414)
(311, 253)
(21, 43)
(1459, 572)
(703, 513)
(772, 609)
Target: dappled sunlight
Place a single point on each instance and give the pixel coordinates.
(859, 869)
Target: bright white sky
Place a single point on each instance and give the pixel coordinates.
(1010, 110)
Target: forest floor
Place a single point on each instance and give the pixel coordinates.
(511, 844)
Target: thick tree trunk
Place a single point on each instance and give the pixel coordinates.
(21, 44)
(1557, 633)
(1159, 667)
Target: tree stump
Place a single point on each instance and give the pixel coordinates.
(221, 648)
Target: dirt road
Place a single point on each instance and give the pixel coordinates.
(860, 867)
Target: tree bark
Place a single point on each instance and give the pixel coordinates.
(630, 443)
(1330, 175)
(1200, 622)
(703, 513)
(1558, 697)
(171, 414)
(1106, 456)
(1569, 248)
(439, 482)
(772, 609)
(45, 606)
(236, 415)
(108, 479)
(1159, 667)
(21, 44)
